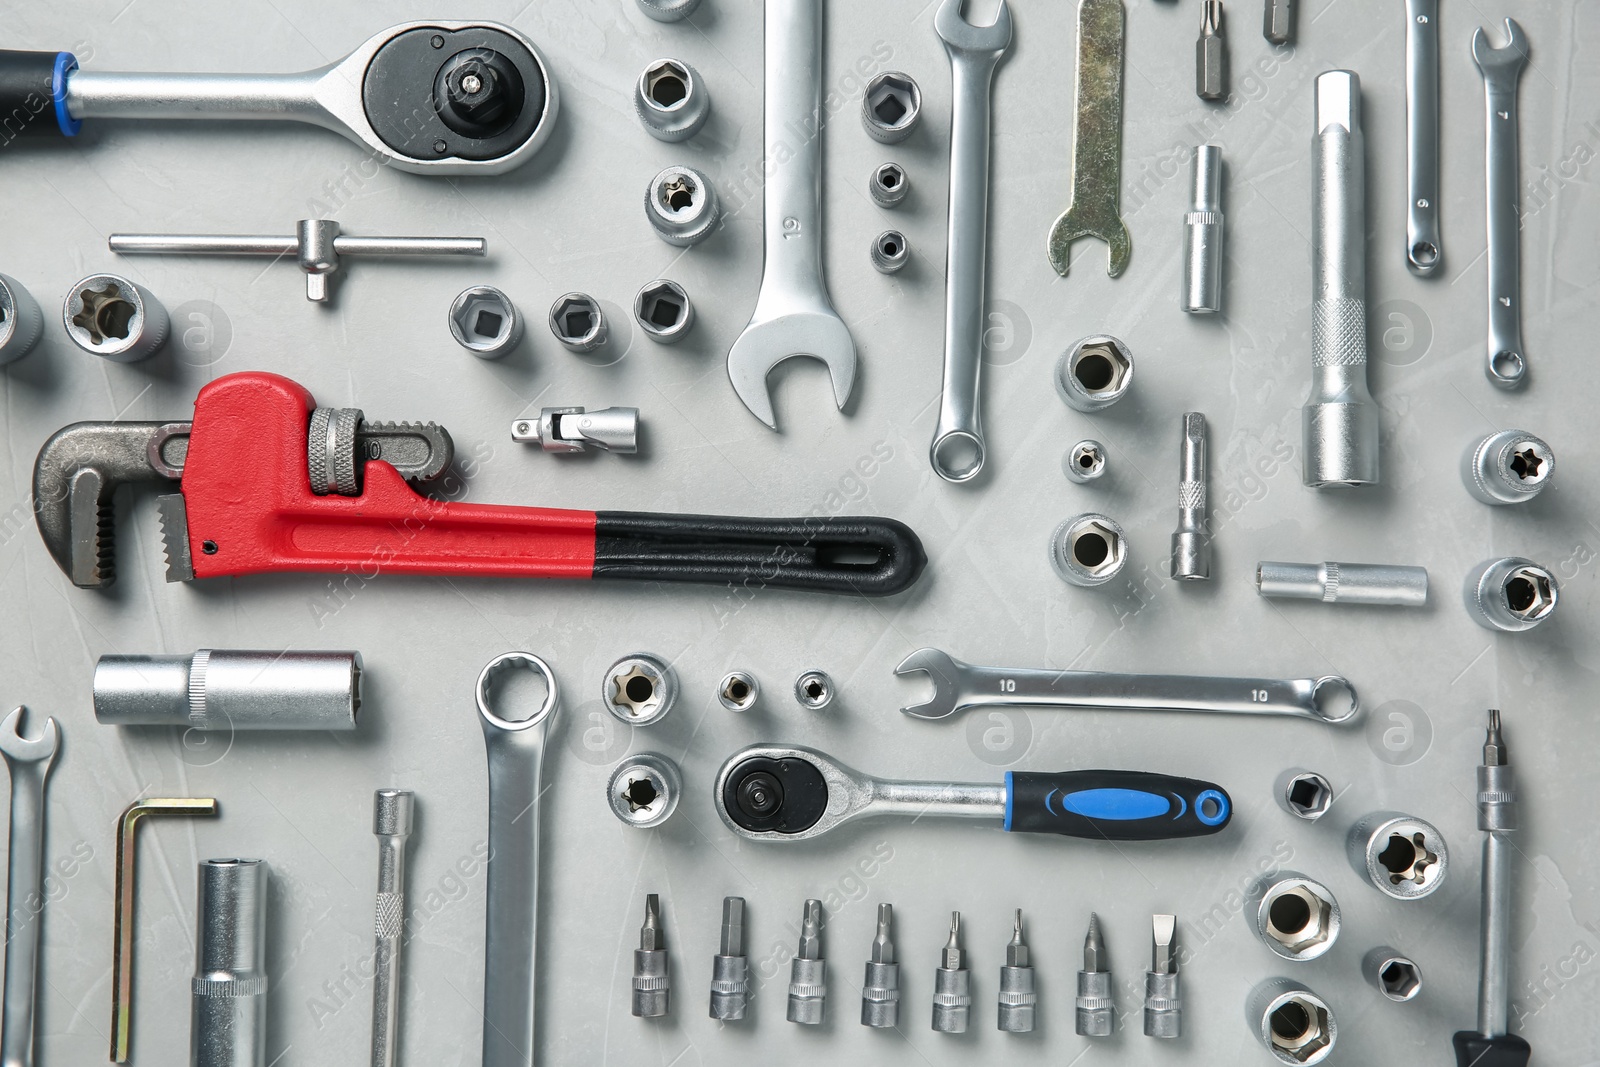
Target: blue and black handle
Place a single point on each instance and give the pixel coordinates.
(33, 94)
(1114, 805)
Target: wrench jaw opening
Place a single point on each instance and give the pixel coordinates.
(766, 342)
(1510, 58)
(961, 36)
(762, 787)
(1069, 228)
(940, 668)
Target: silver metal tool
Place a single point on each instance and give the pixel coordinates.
(958, 686)
(228, 994)
(663, 311)
(317, 246)
(439, 97)
(230, 689)
(485, 322)
(1095, 1007)
(891, 106)
(1163, 1006)
(1339, 422)
(957, 452)
(644, 789)
(1093, 210)
(391, 823)
(889, 185)
(671, 100)
(652, 975)
(952, 984)
(29, 761)
(1017, 998)
(570, 431)
(21, 323)
(1295, 916)
(738, 691)
(1094, 373)
(515, 749)
(1402, 856)
(1508, 467)
(730, 970)
(109, 316)
(578, 322)
(1423, 247)
(1304, 794)
(890, 252)
(1202, 234)
(681, 204)
(1088, 550)
(1085, 461)
(808, 971)
(1502, 69)
(814, 690)
(1191, 541)
(1211, 54)
(880, 987)
(1291, 1022)
(639, 688)
(1511, 594)
(793, 315)
(668, 10)
(1396, 976)
(1344, 583)
(1277, 24)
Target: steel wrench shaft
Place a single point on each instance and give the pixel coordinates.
(1502, 69)
(29, 761)
(1423, 249)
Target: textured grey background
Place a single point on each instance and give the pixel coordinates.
(572, 220)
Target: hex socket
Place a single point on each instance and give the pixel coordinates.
(1294, 1024)
(889, 185)
(880, 995)
(1294, 916)
(1202, 234)
(891, 107)
(1094, 373)
(20, 320)
(671, 100)
(808, 990)
(1344, 583)
(1094, 1008)
(228, 1010)
(1396, 976)
(1304, 794)
(890, 251)
(1088, 550)
(1509, 467)
(230, 689)
(1510, 594)
(952, 999)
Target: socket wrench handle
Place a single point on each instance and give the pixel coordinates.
(1115, 805)
(1423, 250)
(1502, 69)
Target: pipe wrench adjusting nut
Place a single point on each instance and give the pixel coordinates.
(106, 315)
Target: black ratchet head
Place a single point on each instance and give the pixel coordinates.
(765, 795)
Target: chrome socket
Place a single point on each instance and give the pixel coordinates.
(1344, 583)
(577, 322)
(952, 985)
(1294, 916)
(230, 689)
(1094, 373)
(485, 322)
(639, 689)
(1395, 976)
(1094, 1006)
(651, 995)
(814, 690)
(891, 107)
(1509, 467)
(682, 206)
(1291, 1022)
(880, 987)
(1510, 594)
(228, 1015)
(1304, 794)
(644, 789)
(106, 315)
(1191, 541)
(668, 10)
(738, 691)
(889, 185)
(663, 311)
(1202, 235)
(1084, 462)
(889, 251)
(808, 971)
(1088, 550)
(21, 323)
(730, 969)
(671, 100)
(1402, 856)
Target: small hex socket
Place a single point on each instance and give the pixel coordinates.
(668, 10)
(891, 107)
(21, 323)
(109, 316)
(1511, 594)
(663, 311)
(1509, 467)
(1202, 234)
(1191, 541)
(577, 322)
(1088, 550)
(485, 322)
(1304, 794)
(1294, 1024)
(889, 252)
(1084, 461)
(1094, 373)
(1395, 976)
(682, 206)
(1402, 856)
(644, 789)
(671, 100)
(889, 185)
(1294, 916)
(1211, 54)
(1344, 583)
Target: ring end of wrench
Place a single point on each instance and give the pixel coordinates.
(1506, 368)
(957, 455)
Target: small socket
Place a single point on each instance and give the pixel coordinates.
(671, 100)
(1304, 794)
(889, 185)
(1509, 467)
(1094, 373)
(891, 107)
(1088, 550)
(652, 969)
(644, 790)
(639, 689)
(1511, 594)
(484, 322)
(1293, 1023)
(1295, 917)
(20, 320)
(668, 10)
(889, 251)
(814, 690)
(1402, 856)
(577, 322)
(1084, 461)
(1393, 975)
(108, 316)
(738, 691)
(663, 311)
(681, 205)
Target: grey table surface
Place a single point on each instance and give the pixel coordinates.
(571, 220)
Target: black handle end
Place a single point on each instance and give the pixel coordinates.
(33, 94)
(1115, 805)
(1475, 1050)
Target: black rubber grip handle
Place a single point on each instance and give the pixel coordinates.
(1475, 1050)
(867, 556)
(29, 94)
(1115, 805)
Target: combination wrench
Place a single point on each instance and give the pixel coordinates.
(793, 315)
(29, 761)
(958, 686)
(1423, 250)
(958, 450)
(516, 757)
(1501, 69)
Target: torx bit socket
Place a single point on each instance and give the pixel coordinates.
(391, 823)
(1017, 996)
(730, 971)
(1096, 1010)
(1202, 234)
(880, 989)
(808, 971)
(952, 985)
(1163, 1008)
(1191, 541)
(1277, 23)
(1211, 54)
(651, 980)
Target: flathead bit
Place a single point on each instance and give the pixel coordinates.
(651, 936)
(1017, 949)
(1162, 961)
(1094, 946)
(951, 959)
(1494, 746)
(652, 979)
(883, 944)
(1277, 25)
(1211, 54)
(1163, 1007)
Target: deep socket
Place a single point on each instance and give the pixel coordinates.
(1202, 234)
(228, 1018)
(1344, 583)
(230, 689)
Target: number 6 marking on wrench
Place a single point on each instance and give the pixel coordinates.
(1501, 69)
(29, 761)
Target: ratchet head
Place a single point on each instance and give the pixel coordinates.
(1508, 60)
(942, 670)
(962, 37)
(788, 793)
(769, 340)
(18, 749)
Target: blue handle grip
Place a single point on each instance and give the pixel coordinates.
(1115, 805)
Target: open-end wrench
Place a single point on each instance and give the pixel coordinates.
(516, 758)
(440, 97)
(1423, 249)
(793, 315)
(957, 452)
(792, 793)
(1096, 142)
(958, 686)
(29, 761)
(1501, 69)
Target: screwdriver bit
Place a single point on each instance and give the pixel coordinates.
(952, 985)
(1162, 1006)
(808, 971)
(1211, 54)
(1017, 998)
(880, 990)
(1095, 1009)
(730, 971)
(651, 984)
(1277, 25)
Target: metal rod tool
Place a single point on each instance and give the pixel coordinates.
(391, 824)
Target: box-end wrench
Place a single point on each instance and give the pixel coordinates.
(516, 757)
(793, 315)
(958, 686)
(29, 761)
(1501, 69)
(1096, 143)
(957, 452)
(1423, 250)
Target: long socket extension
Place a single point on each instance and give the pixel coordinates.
(230, 689)
(730, 970)
(1339, 422)
(1202, 234)
(391, 824)
(228, 1021)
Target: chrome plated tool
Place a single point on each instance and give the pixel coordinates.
(29, 760)
(1423, 247)
(1502, 69)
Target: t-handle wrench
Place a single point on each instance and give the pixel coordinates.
(29, 761)
(1423, 249)
(957, 453)
(1501, 69)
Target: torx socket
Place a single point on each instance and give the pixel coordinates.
(1293, 1023)
(952, 984)
(1509, 467)
(1202, 234)
(1339, 422)
(808, 971)
(230, 689)
(1163, 1006)
(392, 810)
(1403, 856)
(730, 970)
(1191, 541)
(1017, 998)
(1211, 54)
(1344, 583)
(652, 977)
(228, 1013)
(1094, 1006)
(111, 317)
(880, 989)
